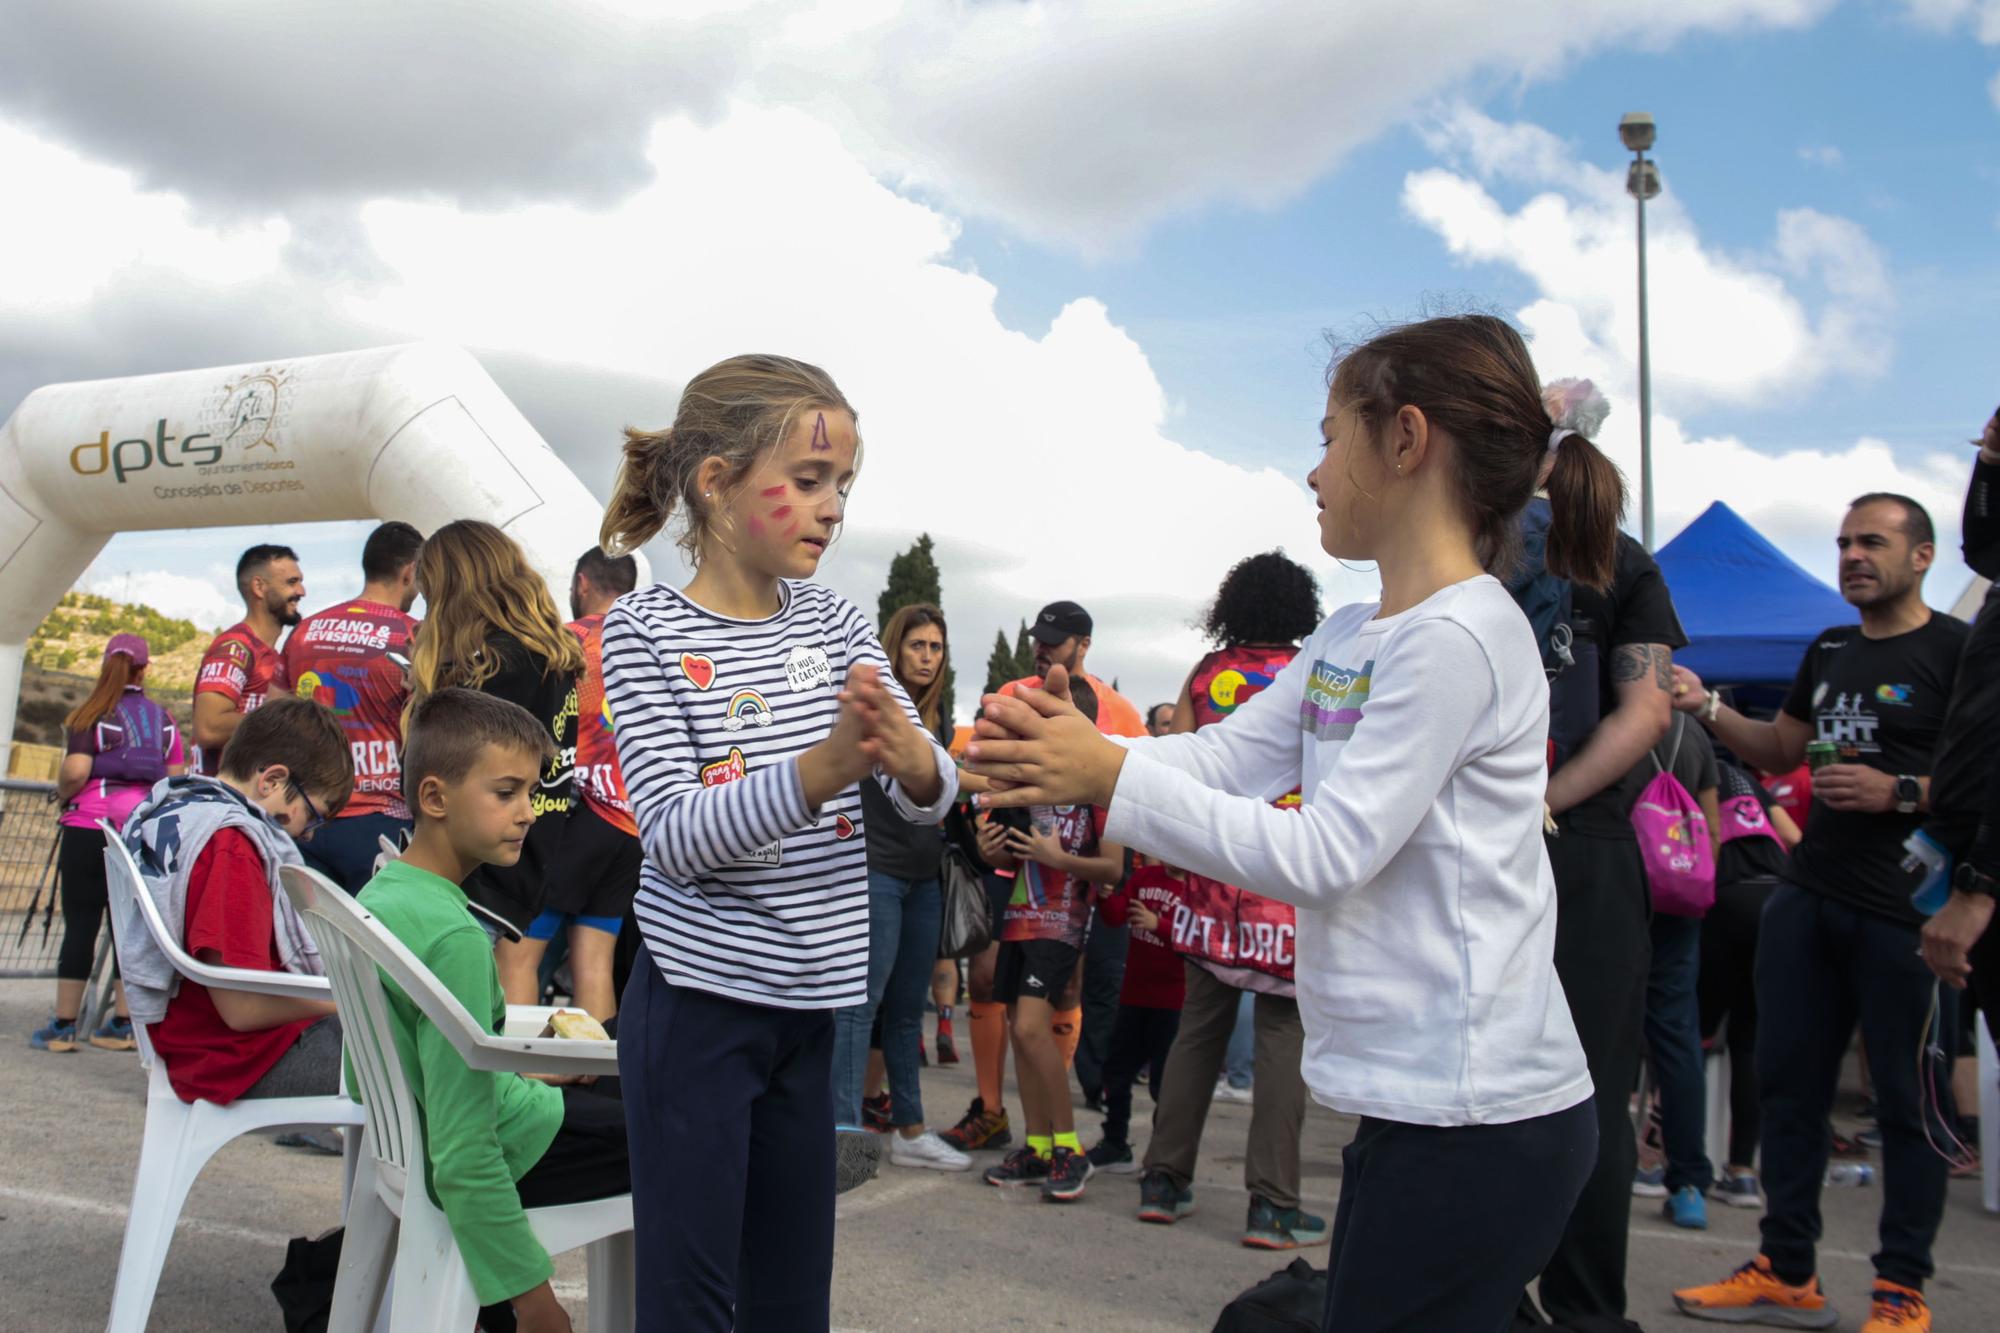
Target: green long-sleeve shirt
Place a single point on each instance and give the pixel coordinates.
(484, 1130)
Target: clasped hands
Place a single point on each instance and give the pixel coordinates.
(872, 731)
(1035, 748)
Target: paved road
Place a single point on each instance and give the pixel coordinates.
(917, 1250)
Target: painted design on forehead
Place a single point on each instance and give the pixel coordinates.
(820, 443)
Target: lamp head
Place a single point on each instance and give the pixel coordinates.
(1636, 129)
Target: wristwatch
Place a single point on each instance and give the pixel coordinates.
(1970, 879)
(1908, 793)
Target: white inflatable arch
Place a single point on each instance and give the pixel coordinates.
(418, 432)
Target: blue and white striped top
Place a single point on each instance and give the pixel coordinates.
(745, 891)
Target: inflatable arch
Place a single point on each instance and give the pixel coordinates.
(418, 432)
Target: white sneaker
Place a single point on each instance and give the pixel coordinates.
(1226, 1091)
(926, 1150)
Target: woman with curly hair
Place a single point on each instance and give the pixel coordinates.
(494, 627)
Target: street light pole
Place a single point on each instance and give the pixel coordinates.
(1642, 182)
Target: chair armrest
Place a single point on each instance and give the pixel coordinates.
(292, 985)
(543, 1055)
(527, 1020)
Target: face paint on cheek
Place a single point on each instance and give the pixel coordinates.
(820, 443)
(756, 527)
(772, 492)
(781, 513)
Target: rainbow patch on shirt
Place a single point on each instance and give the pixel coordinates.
(1334, 698)
(746, 708)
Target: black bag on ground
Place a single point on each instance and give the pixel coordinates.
(304, 1286)
(1291, 1300)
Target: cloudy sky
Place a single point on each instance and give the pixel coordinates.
(1074, 262)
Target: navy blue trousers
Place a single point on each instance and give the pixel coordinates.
(732, 1159)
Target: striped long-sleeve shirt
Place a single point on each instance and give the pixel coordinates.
(746, 892)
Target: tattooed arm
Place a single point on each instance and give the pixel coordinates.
(1642, 675)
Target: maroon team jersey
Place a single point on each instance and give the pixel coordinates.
(243, 669)
(353, 658)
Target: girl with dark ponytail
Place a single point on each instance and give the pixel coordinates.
(1416, 730)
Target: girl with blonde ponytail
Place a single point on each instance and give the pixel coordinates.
(749, 705)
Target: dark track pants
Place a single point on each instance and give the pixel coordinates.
(732, 1159)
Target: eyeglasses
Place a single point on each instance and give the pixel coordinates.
(313, 817)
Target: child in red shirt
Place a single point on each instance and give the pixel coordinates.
(1149, 1005)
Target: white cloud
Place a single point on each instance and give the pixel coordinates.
(1982, 16)
(199, 598)
(1725, 330)
(1823, 155)
(1038, 459)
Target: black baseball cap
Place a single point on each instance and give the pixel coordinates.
(1058, 620)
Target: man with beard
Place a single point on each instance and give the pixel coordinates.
(242, 667)
(1839, 944)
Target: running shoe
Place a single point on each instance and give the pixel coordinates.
(58, 1035)
(875, 1113)
(979, 1129)
(857, 1156)
(115, 1035)
(1162, 1201)
(1897, 1309)
(1869, 1138)
(1023, 1166)
(946, 1048)
(1225, 1091)
(1116, 1158)
(1753, 1294)
(1739, 1189)
(928, 1151)
(1847, 1149)
(1067, 1171)
(1270, 1227)
(1686, 1209)
(1650, 1182)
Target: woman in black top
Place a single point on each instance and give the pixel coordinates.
(1755, 835)
(492, 626)
(905, 910)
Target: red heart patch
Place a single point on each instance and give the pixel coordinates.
(843, 827)
(699, 669)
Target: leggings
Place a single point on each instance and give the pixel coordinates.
(1728, 998)
(80, 860)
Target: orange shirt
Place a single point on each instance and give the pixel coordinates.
(1116, 715)
(598, 776)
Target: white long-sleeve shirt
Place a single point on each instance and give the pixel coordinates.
(746, 891)
(1427, 913)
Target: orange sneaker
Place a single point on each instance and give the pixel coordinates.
(1753, 1294)
(1897, 1309)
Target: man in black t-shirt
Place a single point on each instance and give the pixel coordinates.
(1839, 938)
(1623, 646)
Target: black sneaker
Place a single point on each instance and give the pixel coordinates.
(1270, 1227)
(1116, 1158)
(875, 1113)
(1162, 1201)
(1068, 1170)
(1023, 1166)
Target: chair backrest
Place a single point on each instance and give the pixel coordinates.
(125, 886)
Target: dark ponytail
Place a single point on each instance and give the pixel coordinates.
(1471, 376)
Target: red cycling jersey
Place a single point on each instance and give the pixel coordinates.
(354, 658)
(243, 669)
(597, 773)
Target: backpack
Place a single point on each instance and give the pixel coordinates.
(131, 742)
(1569, 661)
(1673, 839)
(1291, 1300)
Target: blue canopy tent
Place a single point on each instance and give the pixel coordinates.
(1748, 609)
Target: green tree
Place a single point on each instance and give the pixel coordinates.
(1024, 654)
(1001, 664)
(913, 578)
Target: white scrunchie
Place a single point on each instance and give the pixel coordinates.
(1556, 437)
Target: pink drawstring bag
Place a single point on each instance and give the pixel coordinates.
(1673, 840)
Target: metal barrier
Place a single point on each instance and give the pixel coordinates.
(31, 927)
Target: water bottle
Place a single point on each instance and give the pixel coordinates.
(1934, 863)
(1852, 1174)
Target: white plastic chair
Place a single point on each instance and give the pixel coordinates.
(1989, 1119)
(181, 1136)
(391, 1219)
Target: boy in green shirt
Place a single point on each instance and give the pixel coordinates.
(498, 1143)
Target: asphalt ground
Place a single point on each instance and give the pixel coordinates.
(916, 1249)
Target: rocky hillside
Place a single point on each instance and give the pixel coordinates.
(65, 650)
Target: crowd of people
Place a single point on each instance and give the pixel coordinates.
(1386, 859)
